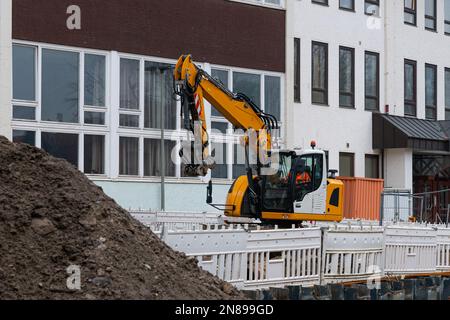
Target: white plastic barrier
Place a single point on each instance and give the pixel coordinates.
(443, 249)
(352, 253)
(410, 249)
(253, 259)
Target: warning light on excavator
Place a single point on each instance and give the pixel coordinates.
(313, 144)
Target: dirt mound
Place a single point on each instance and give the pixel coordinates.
(52, 217)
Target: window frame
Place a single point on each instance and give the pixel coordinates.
(412, 63)
(377, 97)
(433, 18)
(297, 70)
(410, 11)
(352, 9)
(427, 107)
(446, 89)
(352, 167)
(371, 2)
(373, 157)
(326, 89)
(352, 93)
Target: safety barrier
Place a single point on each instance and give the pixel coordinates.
(254, 258)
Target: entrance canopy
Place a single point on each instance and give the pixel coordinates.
(393, 132)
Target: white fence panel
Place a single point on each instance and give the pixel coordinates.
(352, 253)
(410, 249)
(443, 249)
(278, 258)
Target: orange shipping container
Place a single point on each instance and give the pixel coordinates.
(362, 198)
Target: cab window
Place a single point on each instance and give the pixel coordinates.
(309, 178)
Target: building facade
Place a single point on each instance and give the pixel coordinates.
(5, 67)
(91, 79)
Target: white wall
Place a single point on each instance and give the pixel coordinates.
(5, 67)
(399, 169)
(332, 127)
(415, 43)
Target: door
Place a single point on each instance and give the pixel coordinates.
(310, 185)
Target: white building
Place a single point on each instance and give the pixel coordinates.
(5, 67)
(351, 73)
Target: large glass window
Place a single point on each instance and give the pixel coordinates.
(94, 154)
(430, 15)
(410, 83)
(372, 81)
(94, 80)
(60, 94)
(447, 93)
(319, 73)
(159, 96)
(410, 11)
(24, 72)
(222, 77)
(347, 4)
(372, 166)
(430, 92)
(61, 145)
(272, 96)
(346, 77)
(24, 136)
(219, 152)
(129, 84)
(152, 158)
(346, 164)
(248, 84)
(129, 156)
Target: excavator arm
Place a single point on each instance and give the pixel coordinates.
(193, 85)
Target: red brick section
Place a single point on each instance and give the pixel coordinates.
(218, 31)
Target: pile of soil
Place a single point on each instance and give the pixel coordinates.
(52, 217)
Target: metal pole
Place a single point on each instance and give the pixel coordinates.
(382, 209)
(162, 156)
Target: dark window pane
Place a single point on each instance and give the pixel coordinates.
(24, 72)
(346, 77)
(372, 166)
(346, 164)
(272, 99)
(319, 73)
(219, 126)
(410, 88)
(61, 145)
(129, 156)
(94, 154)
(24, 113)
(447, 89)
(59, 86)
(152, 158)
(129, 120)
(372, 7)
(430, 14)
(22, 136)
(97, 118)
(222, 77)
(297, 77)
(430, 91)
(248, 84)
(129, 84)
(447, 16)
(219, 152)
(159, 96)
(372, 89)
(94, 80)
(347, 4)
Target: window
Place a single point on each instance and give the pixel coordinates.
(129, 84)
(312, 176)
(272, 96)
(60, 97)
(96, 118)
(347, 5)
(372, 81)
(346, 77)
(222, 77)
(61, 145)
(410, 11)
(24, 73)
(372, 7)
(322, 2)
(129, 156)
(94, 154)
(248, 84)
(24, 113)
(159, 96)
(297, 88)
(94, 80)
(219, 152)
(372, 166)
(430, 92)
(23, 136)
(129, 120)
(346, 164)
(430, 15)
(410, 88)
(319, 73)
(239, 167)
(447, 93)
(447, 17)
(152, 158)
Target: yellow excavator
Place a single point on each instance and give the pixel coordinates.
(281, 186)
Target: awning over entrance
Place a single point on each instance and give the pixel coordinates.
(392, 132)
